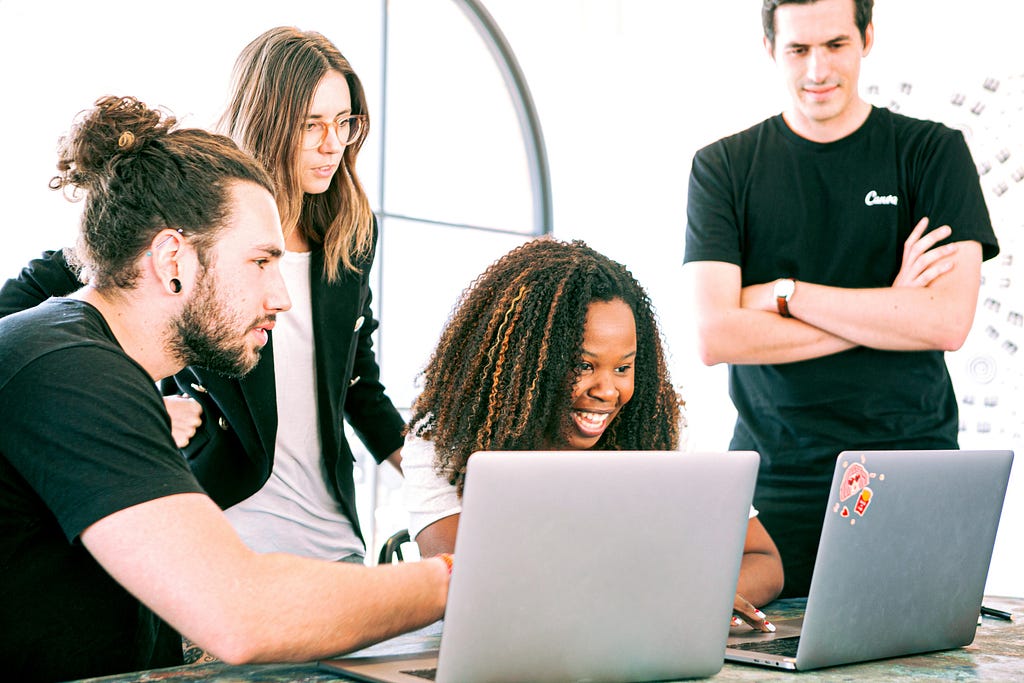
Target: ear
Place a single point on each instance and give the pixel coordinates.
(769, 48)
(869, 39)
(164, 253)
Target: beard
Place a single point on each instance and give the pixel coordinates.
(209, 335)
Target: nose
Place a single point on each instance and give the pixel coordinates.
(602, 387)
(332, 140)
(819, 64)
(277, 299)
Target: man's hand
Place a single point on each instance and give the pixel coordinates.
(186, 416)
(923, 262)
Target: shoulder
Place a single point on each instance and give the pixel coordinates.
(743, 138)
(417, 453)
(914, 132)
(64, 330)
(737, 151)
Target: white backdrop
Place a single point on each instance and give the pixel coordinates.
(627, 90)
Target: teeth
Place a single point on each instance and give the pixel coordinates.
(593, 418)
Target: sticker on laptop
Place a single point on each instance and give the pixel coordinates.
(856, 485)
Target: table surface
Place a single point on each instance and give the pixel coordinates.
(997, 654)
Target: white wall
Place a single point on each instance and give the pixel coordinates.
(627, 90)
(682, 73)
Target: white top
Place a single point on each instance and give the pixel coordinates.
(295, 511)
(429, 497)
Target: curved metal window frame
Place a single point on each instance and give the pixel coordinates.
(526, 113)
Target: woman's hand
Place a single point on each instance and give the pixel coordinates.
(743, 611)
(186, 416)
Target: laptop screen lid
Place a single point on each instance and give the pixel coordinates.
(598, 566)
(904, 554)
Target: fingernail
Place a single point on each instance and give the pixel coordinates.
(770, 626)
(736, 621)
(759, 613)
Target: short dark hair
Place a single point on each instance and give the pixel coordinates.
(140, 175)
(862, 15)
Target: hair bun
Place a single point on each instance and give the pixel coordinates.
(115, 128)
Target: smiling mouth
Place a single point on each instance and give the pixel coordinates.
(591, 423)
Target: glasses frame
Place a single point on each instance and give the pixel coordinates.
(335, 125)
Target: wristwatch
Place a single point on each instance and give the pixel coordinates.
(783, 290)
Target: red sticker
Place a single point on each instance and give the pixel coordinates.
(855, 479)
(845, 512)
(863, 501)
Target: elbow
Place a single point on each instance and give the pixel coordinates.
(708, 350)
(234, 648)
(953, 337)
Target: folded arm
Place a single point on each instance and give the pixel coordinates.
(899, 318)
(180, 556)
(930, 305)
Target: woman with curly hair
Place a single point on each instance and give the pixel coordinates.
(554, 346)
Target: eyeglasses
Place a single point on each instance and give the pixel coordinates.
(346, 128)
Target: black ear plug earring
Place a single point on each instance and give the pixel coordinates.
(175, 285)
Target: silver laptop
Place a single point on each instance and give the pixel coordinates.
(902, 563)
(582, 565)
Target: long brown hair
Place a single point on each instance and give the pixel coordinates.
(275, 78)
(502, 375)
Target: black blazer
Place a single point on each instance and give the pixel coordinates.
(232, 452)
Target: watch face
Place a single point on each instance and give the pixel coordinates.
(784, 288)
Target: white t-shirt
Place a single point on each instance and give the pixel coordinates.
(295, 511)
(429, 497)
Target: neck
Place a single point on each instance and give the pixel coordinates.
(295, 241)
(139, 327)
(831, 129)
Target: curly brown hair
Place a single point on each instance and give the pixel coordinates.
(502, 375)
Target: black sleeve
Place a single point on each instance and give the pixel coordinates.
(87, 430)
(39, 280)
(368, 408)
(712, 223)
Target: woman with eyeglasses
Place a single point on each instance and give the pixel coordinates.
(271, 447)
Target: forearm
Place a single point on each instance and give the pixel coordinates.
(309, 609)
(731, 330)
(932, 311)
(744, 337)
(888, 318)
(761, 574)
(760, 578)
(180, 557)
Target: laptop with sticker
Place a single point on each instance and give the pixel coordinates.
(584, 565)
(902, 563)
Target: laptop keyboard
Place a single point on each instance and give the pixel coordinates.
(427, 674)
(785, 647)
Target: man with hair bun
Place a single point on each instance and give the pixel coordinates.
(109, 547)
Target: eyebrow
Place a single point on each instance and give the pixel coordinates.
(270, 250)
(343, 112)
(836, 39)
(628, 355)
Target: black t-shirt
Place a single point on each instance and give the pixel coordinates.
(837, 214)
(85, 435)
